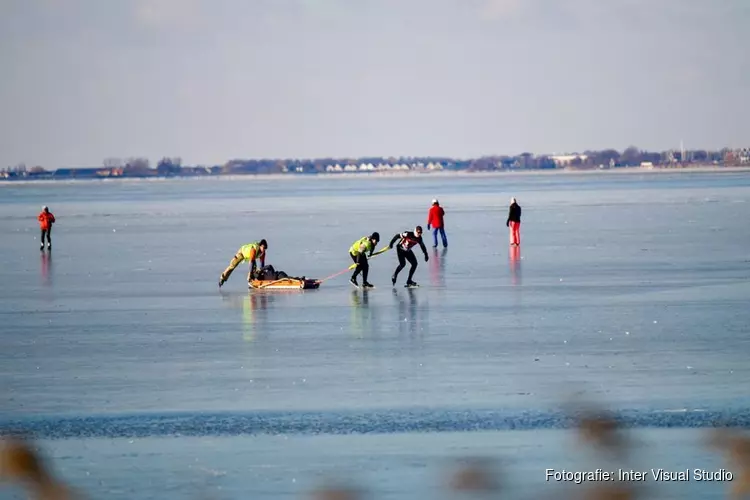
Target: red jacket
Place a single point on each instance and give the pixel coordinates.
(46, 219)
(435, 216)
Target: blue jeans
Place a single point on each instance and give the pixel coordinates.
(435, 231)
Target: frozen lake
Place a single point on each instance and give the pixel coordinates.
(139, 374)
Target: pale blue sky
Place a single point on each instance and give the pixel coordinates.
(212, 80)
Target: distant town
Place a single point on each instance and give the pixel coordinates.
(588, 160)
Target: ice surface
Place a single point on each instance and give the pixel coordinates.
(630, 289)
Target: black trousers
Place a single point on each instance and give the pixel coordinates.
(362, 265)
(403, 256)
(47, 233)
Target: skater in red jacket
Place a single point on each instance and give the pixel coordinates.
(46, 219)
(435, 220)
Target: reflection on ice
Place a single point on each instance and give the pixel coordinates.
(514, 257)
(46, 268)
(253, 306)
(437, 267)
(410, 321)
(364, 319)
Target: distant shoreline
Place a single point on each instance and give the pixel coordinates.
(391, 175)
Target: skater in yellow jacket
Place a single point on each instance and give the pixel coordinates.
(251, 252)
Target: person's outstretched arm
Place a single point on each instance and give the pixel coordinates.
(393, 240)
(424, 249)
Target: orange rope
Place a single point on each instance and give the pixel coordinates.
(333, 275)
(352, 266)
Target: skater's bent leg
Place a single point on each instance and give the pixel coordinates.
(413, 261)
(236, 261)
(401, 263)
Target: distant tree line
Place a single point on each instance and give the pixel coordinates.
(589, 159)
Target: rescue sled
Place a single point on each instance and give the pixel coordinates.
(285, 284)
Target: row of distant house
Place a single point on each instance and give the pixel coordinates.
(381, 167)
(739, 155)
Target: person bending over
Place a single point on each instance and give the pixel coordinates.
(251, 252)
(406, 241)
(359, 252)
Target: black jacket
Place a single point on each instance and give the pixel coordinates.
(514, 214)
(408, 240)
(267, 273)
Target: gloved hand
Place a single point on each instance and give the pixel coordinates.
(428, 227)
(507, 223)
(426, 257)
